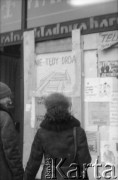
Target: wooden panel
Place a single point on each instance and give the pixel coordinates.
(90, 41)
(54, 46)
(29, 84)
(90, 63)
(76, 48)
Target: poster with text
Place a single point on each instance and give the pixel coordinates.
(108, 68)
(109, 146)
(56, 73)
(114, 104)
(114, 109)
(108, 39)
(40, 111)
(98, 89)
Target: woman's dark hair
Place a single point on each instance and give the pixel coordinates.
(57, 100)
(57, 107)
(58, 117)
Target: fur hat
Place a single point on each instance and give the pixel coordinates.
(4, 90)
(55, 100)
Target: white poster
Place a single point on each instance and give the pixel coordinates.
(114, 109)
(98, 113)
(40, 111)
(114, 104)
(108, 39)
(56, 73)
(107, 152)
(109, 146)
(98, 89)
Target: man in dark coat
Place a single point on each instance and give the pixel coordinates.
(10, 159)
(55, 140)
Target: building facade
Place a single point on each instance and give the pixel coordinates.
(45, 36)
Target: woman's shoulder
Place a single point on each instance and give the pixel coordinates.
(42, 132)
(81, 132)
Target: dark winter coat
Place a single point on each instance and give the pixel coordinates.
(10, 159)
(56, 141)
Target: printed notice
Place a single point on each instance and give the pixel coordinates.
(114, 104)
(107, 152)
(108, 39)
(114, 109)
(98, 113)
(98, 89)
(40, 110)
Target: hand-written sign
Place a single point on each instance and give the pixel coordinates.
(56, 73)
(108, 39)
(55, 59)
(98, 89)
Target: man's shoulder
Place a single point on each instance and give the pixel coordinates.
(4, 114)
(4, 117)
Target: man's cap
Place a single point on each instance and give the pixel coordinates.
(5, 91)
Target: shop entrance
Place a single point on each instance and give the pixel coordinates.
(11, 74)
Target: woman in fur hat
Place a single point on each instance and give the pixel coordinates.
(10, 159)
(55, 141)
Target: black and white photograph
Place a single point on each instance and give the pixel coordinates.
(58, 89)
